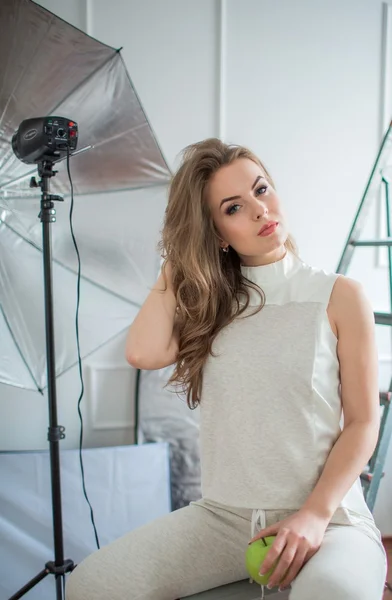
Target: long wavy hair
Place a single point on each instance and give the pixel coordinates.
(208, 284)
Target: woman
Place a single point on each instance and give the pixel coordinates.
(273, 350)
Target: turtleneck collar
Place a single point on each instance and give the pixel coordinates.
(272, 273)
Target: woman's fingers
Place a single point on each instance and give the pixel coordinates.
(285, 560)
(295, 567)
(275, 551)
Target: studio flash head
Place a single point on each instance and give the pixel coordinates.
(45, 139)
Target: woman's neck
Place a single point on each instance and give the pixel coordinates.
(264, 259)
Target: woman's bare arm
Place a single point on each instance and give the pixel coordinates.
(352, 314)
(152, 341)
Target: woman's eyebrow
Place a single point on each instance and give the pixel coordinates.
(237, 197)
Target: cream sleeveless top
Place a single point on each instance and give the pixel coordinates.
(270, 407)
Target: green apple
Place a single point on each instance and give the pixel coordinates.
(254, 557)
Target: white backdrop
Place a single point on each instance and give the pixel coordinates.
(127, 486)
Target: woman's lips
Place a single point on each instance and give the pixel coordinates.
(269, 229)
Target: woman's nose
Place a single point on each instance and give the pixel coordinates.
(261, 210)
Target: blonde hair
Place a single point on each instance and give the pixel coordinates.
(205, 280)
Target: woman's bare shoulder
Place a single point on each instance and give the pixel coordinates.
(349, 303)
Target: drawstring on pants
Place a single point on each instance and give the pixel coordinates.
(258, 520)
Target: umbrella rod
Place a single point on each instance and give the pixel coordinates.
(59, 567)
(27, 195)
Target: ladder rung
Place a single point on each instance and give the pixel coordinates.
(385, 397)
(383, 318)
(385, 242)
(368, 476)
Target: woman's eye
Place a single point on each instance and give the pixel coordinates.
(263, 187)
(230, 210)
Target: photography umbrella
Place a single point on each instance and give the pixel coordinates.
(51, 68)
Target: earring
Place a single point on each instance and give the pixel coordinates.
(225, 249)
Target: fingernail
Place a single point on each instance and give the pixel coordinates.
(270, 586)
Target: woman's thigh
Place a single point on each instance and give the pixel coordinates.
(349, 565)
(190, 550)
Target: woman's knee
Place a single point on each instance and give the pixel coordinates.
(324, 586)
(101, 577)
(82, 583)
(322, 589)
(92, 580)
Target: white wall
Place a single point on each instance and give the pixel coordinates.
(170, 49)
(72, 11)
(303, 90)
(300, 83)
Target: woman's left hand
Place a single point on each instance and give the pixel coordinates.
(298, 537)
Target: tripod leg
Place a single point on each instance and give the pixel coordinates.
(60, 587)
(30, 584)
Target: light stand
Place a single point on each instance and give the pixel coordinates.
(59, 567)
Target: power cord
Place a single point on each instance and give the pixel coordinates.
(79, 358)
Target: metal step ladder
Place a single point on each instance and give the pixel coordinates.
(379, 180)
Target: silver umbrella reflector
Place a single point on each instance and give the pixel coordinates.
(49, 67)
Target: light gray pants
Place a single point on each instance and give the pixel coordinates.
(203, 546)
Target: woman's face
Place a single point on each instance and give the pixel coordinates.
(242, 202)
